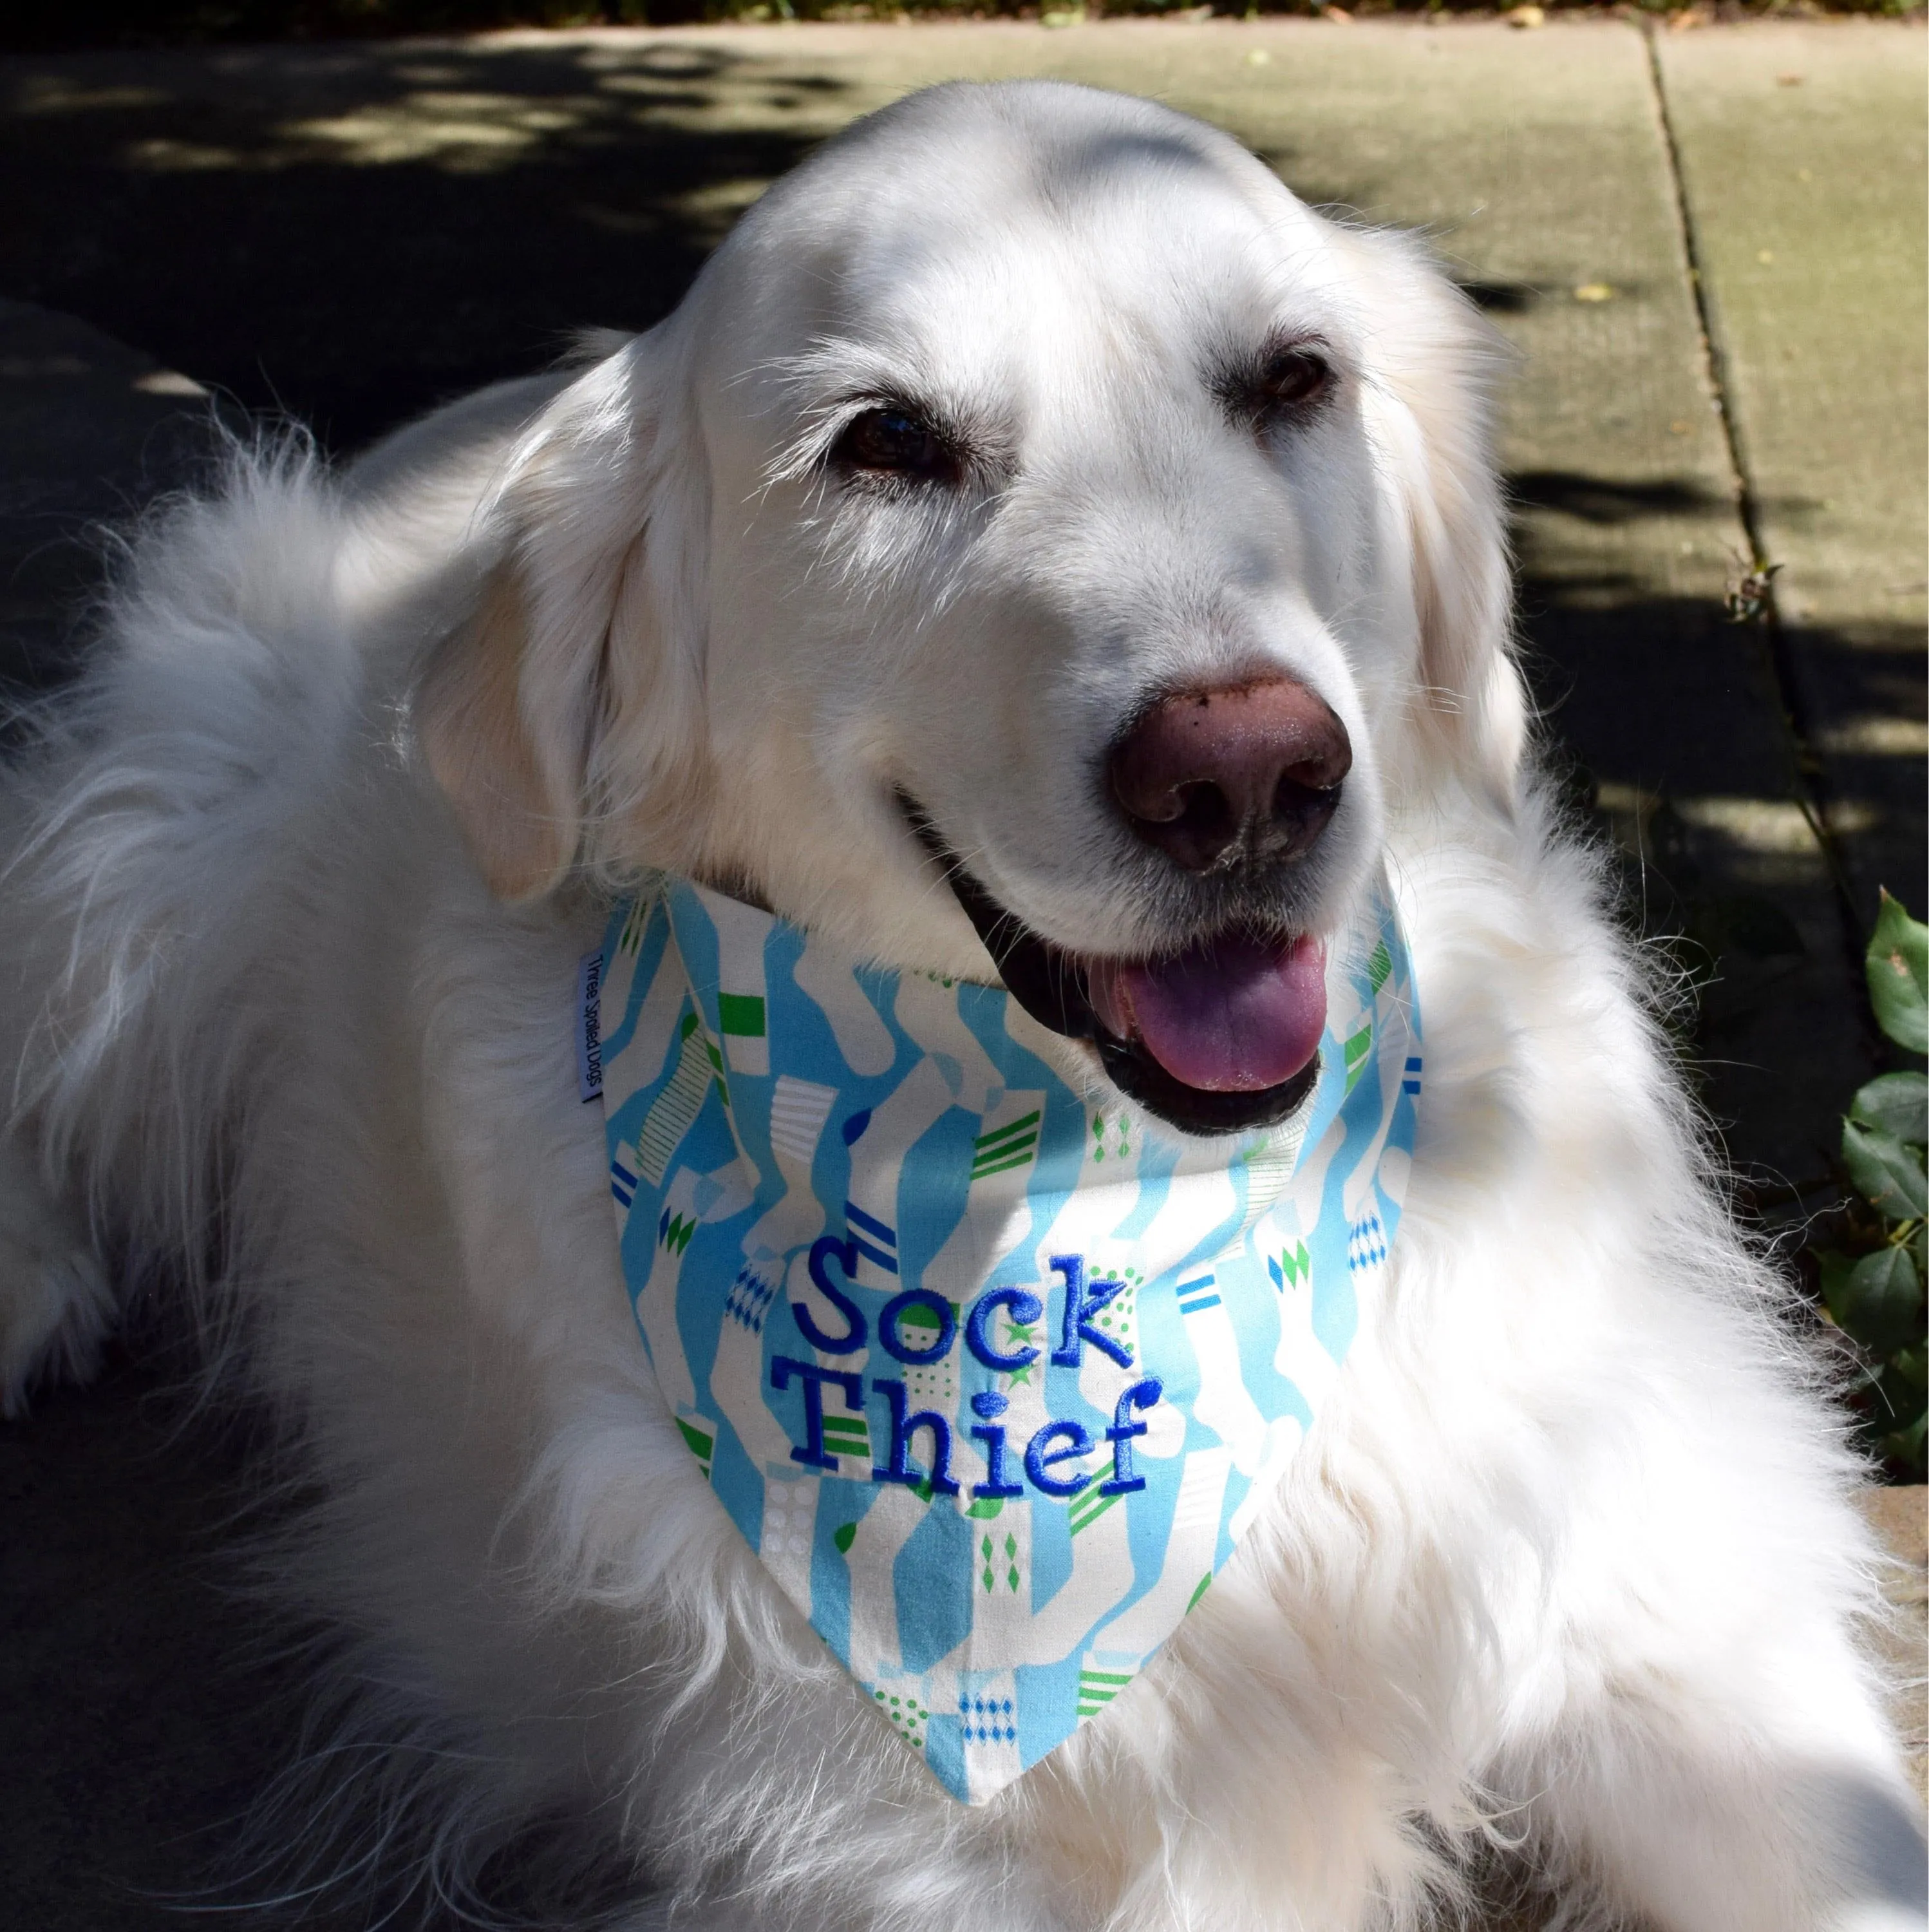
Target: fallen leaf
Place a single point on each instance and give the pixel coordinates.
(1594, 291)
(1788, 80)
(1259, 57)
(1338, 16)
(1526, 16)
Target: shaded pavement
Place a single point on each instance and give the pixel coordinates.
(1709, 249)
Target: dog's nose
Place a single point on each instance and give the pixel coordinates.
(1248, 774)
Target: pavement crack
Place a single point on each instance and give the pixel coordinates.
(1804, 762)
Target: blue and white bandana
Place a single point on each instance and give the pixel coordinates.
(991, 1376)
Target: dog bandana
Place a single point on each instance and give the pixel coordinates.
(991, 1376)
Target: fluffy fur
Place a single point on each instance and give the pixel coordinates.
(299, 877)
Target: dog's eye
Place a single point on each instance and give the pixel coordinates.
(1286, 384)
(1293, 377)
(891, 441)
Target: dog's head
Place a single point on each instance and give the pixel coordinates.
(1036, 533)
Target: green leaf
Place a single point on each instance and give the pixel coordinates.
(1897, 1103)
(1905, 1445)
(1901, 1400)
(1912, 1365)
(1879, 1302)
(1885, 1172)
(844, 1536)
(1898, 971)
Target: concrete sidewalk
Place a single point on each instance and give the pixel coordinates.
(1708, 248)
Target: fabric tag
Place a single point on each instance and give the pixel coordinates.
(589, 1026)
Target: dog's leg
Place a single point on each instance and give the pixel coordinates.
(1780, 1810)
(55, 1306)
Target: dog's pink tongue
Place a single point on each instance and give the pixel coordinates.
(1233, 1016)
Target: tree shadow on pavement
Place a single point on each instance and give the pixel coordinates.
(351, 238)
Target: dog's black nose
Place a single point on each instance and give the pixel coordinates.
(1245, 776)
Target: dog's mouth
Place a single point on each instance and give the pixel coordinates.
(1223, 1037)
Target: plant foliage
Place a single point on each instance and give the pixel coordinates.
(1872, 1278)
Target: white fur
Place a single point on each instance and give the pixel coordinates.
(1569, 1565)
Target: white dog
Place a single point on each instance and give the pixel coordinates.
(1030, 488)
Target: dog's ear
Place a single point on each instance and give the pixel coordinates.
(1434, 363)
(569, 701)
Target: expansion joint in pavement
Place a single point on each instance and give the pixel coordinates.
(1804, 762)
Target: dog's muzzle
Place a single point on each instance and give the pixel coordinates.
(1274, 994)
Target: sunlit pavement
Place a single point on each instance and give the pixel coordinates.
(1708, 246)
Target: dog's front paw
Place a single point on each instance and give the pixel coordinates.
(55, 1306)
